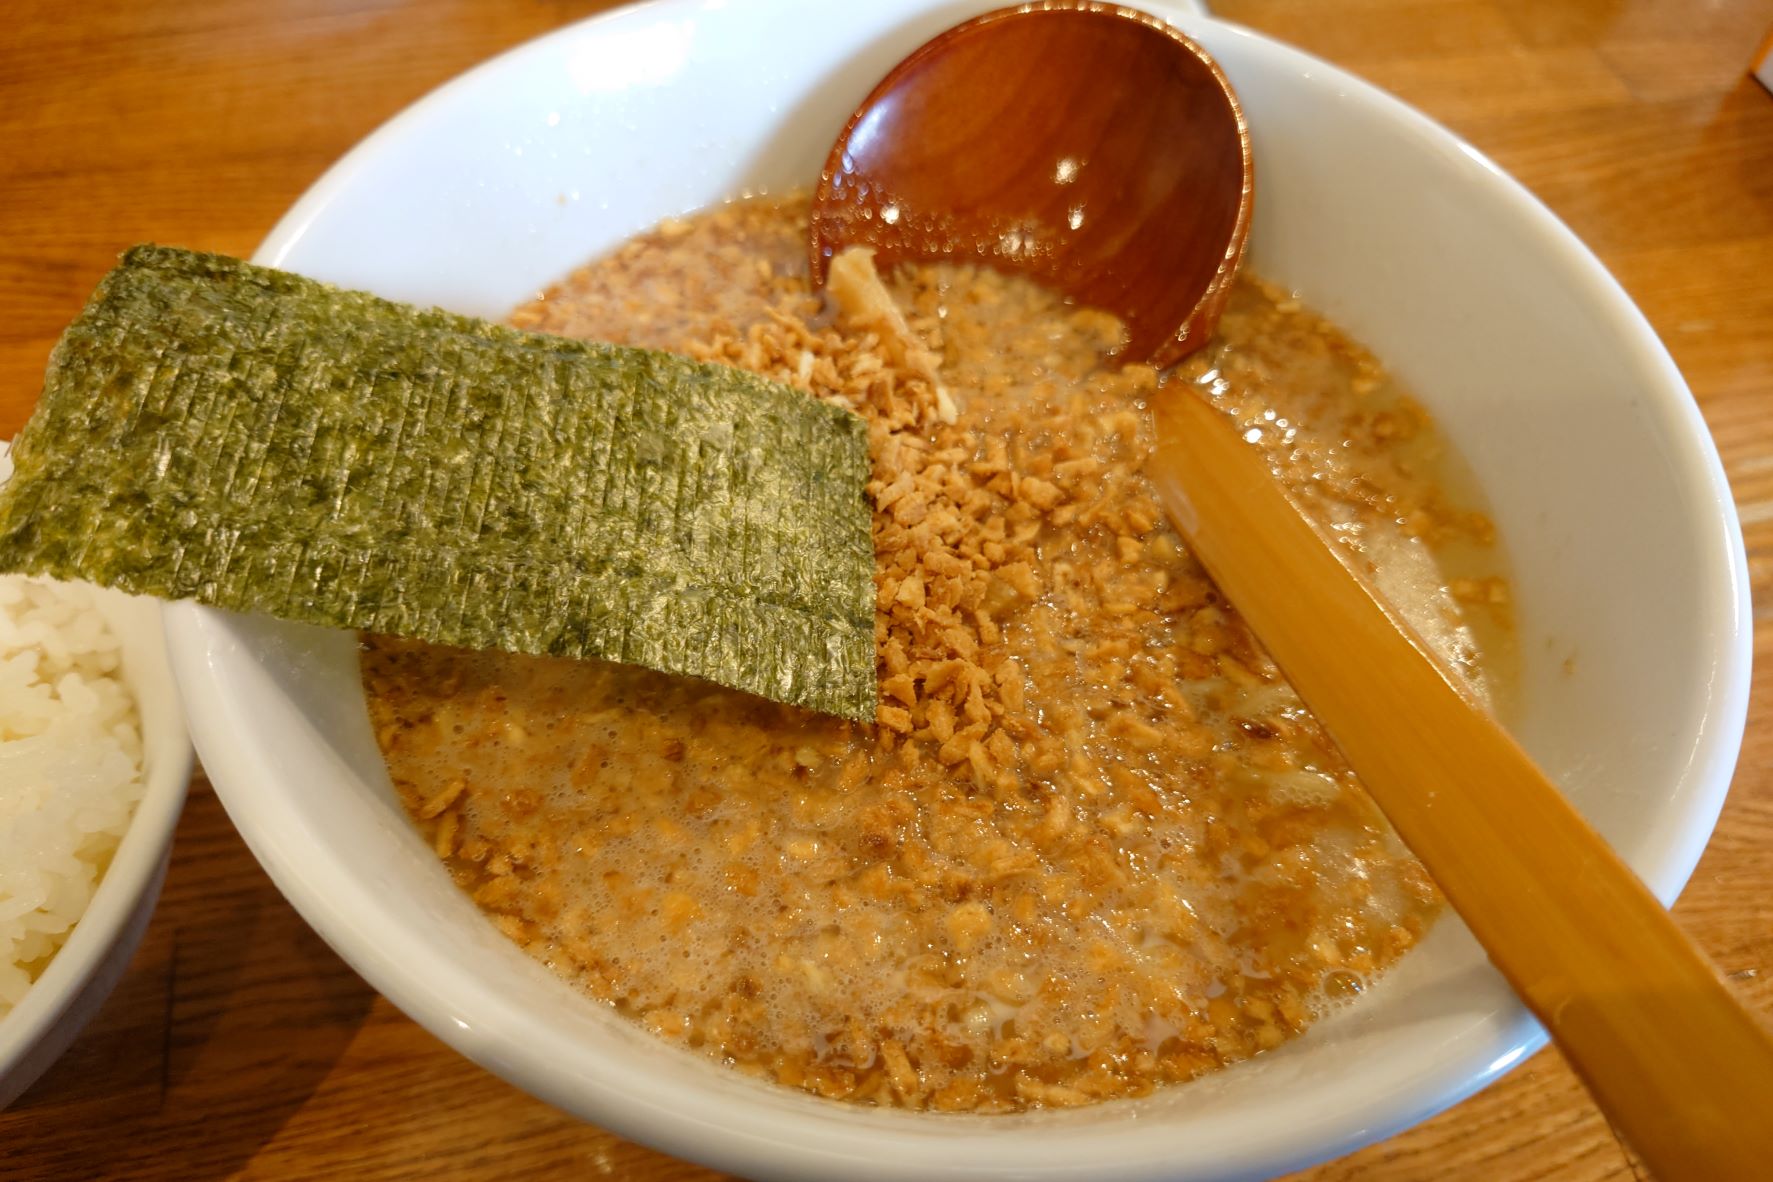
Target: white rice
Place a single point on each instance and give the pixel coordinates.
(70, 768)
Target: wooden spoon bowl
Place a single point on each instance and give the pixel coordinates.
(998, 142)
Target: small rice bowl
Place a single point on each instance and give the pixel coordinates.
(70, 768)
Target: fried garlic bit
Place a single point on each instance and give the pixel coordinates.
(864, 304)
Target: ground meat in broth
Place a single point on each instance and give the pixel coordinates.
(1095, 843)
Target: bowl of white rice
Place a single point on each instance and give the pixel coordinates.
(94, 760)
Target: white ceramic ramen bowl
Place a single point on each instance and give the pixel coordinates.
(1627, 557)
(85, 970)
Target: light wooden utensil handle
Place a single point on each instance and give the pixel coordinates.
(1672, 1057)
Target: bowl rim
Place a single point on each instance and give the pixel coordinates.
(632, 1112)
(141, 854)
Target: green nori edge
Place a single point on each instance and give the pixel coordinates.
(257, 441)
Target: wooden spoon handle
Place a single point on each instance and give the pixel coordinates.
(1673, 1058)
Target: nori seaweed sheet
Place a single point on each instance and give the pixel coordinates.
(257, 441)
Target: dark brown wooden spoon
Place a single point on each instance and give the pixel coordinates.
(1096, 150)
(998, 141)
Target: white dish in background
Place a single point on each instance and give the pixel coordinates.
(1630, 577)
(88, 966)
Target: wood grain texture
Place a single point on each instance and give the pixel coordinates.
(1677, 1063)
(240, 1046)
(1152, 227)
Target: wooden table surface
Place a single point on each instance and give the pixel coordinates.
(239, 1045)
